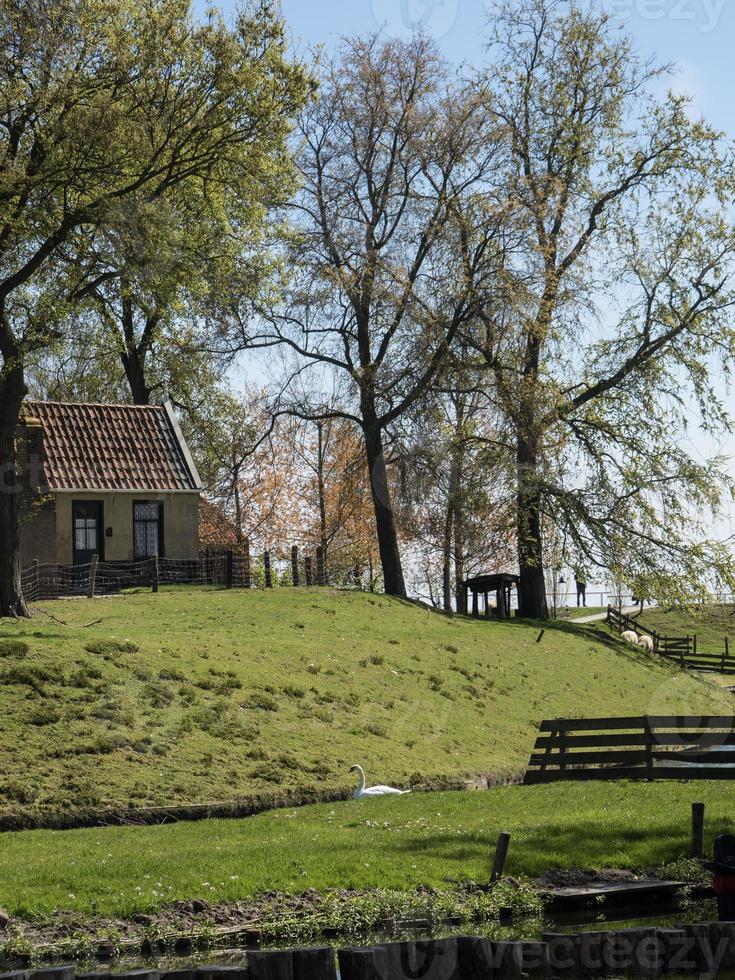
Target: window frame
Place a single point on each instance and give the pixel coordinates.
(99, 549)
(159, 522)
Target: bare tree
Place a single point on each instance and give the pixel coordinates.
(386, 264)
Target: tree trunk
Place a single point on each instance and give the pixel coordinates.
(458, 529)
(133, 356)
(447, 555)
(321, 491)
(135, 374)
(390, 557)
(12, 392)
(532, 586)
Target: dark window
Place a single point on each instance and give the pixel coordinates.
(147, 529)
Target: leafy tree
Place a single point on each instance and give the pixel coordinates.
(384, 257)
(103, 104)
(616, 305)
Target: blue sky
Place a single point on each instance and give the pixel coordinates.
(695, 34)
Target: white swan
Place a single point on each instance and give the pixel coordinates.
(363, 790)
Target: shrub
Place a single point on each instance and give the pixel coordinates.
(158, 695)
(31, 676)
(262, 701)
(269, 772)
(14, 648)
(108, 649)
(293, 691)
(43, 716)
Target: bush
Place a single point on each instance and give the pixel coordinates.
(108, 649)
(262, 702)
(31, 676)
(158, 695)
(14, 648)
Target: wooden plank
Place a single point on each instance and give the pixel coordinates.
(637, 721)
(607, 775)
(315, 962)
(363, 963)
(635, 757)
(681, 739)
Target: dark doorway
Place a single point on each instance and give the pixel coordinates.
(87, 525)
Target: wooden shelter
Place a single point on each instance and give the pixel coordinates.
(482, 585)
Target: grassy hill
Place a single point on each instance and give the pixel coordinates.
(194, 696)
(710, 624)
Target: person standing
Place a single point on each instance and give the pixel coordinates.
(581, 583)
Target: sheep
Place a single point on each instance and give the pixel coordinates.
(646, 642)
(630, 637)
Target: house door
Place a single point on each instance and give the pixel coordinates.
(88, 536)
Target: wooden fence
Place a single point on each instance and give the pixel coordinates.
(679, 649)
(647, 747)
(703, 949)
(228, 568)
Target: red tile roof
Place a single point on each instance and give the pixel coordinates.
(112, 447)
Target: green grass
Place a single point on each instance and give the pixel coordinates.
(710, 624)
(194, 696)
(436, 839)
(579, 612)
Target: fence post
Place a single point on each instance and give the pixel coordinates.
(295, 565)
(308, 571)
(501, 854)
(154, 574)
(649, 750)
(92, 577)
(36, 581)
(246, 563)
(725, 654)
(697, 850)
(358, 577)
(229, 567)
(267, 569)
(320, 571)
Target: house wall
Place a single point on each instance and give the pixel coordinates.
(38, 532)
(180, 524)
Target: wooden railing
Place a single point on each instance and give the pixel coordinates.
(679, 649)
(644, 747)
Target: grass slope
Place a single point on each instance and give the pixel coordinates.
(212, 695)
(435, 839)
(710, 624)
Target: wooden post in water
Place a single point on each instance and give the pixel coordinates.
(501, 854)
(267, 569)
(697, 849)
(92, 577)
(295, 565)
